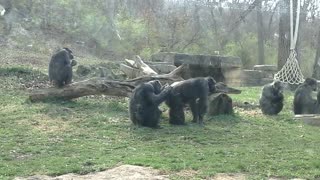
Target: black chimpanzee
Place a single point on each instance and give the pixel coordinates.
(194, 92)
(317, 106)
(60, 67)
(303, 102)
(271, 100)
(144, 102)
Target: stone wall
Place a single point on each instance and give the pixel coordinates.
(225, 69)
(259, 76)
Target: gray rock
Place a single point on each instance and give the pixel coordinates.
(272, 68)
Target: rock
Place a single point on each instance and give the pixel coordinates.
(272, 68)
(220, 103)
(161, 67)
(206, 60)
(255, 78)
(83, 70)
(99, 70)
(266, 81)
(222, 68)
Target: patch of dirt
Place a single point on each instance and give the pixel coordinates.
(247, 108)
(124, 172)
(246, 105)
(187, 173)
(130, 172)
(223, 176)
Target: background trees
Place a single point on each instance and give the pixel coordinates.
(255, 30)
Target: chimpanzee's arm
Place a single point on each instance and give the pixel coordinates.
(159, 98)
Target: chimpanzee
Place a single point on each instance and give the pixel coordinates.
(317, 106)
(303, 102)
(144, 102)
(271, 100)
(60, 67)
(195, 92)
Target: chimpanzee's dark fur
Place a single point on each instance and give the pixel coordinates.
(271, 100)
(303, 102)
(144, 102)
(317, 106)
(60, 67)
(194, 92)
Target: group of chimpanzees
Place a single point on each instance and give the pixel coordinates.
(271, 100)
(146, 98)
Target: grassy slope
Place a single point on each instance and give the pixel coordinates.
(92, 134)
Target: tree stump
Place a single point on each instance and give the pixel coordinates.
(220, 103)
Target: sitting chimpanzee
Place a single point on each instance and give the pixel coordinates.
(303, 102)
(317, 106)
(271, 100)
(60, 67)
(144, 102)
(194, 92)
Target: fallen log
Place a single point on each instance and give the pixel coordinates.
(94, 86)
(139, 64)
(136, 68)
(173, 76)
(98, 86)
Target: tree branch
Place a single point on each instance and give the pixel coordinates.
(97, 86)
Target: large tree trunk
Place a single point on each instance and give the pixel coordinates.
(284, 34)
(97, 86)
(260, 34)
(316, 66)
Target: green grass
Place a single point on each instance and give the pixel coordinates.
(93, 134)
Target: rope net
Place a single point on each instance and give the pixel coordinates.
(290, 72)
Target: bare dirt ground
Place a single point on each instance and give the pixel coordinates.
(129, 172)
(119, 173)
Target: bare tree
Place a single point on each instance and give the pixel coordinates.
(284, 32)
(316, 66)
(260, 28)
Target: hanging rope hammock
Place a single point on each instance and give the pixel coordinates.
(291, 72)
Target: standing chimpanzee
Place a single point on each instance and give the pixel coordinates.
(303, 102)
(144, 102)
(271, 100)
(60, 67)
(194, 92)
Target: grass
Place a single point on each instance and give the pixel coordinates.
(93, 134)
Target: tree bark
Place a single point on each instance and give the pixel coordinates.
(260, 34)
(284, 34)
(316, 66)
(97, 86)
